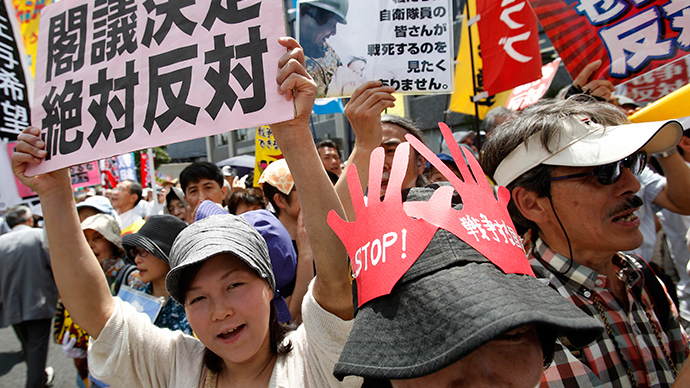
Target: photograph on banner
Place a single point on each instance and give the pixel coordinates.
(173, 71)
(657, 83)
(510, 50)
(525, 95)
(28, 14)
(15, 89)
(82, 175)
(405, 44)
(266, 151)
(631, 37)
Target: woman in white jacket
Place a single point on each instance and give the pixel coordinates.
(220, 273)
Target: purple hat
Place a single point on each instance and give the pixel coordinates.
(280, 248)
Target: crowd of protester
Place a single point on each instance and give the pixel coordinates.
(254, 285)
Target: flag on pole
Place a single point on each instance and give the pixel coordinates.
(461, 100)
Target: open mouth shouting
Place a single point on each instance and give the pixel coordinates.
(231, 334)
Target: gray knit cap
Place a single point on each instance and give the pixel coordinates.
(225, 233)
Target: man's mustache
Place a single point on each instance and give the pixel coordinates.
(629, 204)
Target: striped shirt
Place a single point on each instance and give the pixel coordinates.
(632, 330)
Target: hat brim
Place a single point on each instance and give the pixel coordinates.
(601, 146)
(618, 142)
(143, 242)
(336, 13)
(452, 312)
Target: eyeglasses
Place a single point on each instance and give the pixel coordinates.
(134, 252)
(608, 174)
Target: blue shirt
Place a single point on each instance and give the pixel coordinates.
(172, 316)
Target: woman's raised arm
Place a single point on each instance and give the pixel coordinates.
(80, 280)
(332, 288)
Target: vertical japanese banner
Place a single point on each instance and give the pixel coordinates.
(511, 54)
(8, 189)
(15, 86)
(126, 168)
(406, 44)
(525, 95)
(462, 100)
(631, 37)
(144, 166)
(266, 152)
(109, 172)
(28, 13)
(118, 76)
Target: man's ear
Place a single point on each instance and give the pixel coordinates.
(224, 190)
(420, 164)
(280, 200)
(534, 208)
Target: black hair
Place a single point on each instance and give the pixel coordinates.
(270, 192)
(410, 127)
(17, 214)
(328, 143)
(277, 331)
(251, 196)
(197, 171)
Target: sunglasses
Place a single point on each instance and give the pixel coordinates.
(608, 174)
(134, 252)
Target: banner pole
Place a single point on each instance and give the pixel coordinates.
(152, 179)
(474, 80)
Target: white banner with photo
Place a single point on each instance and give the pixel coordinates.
(404, 43)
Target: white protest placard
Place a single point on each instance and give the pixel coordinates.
(404, 43)
(121, 75)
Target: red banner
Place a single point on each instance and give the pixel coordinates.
(631, 37)
(658, 83)
(144, 164)
(509, 36)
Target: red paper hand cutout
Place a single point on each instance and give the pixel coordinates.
(383, 242)
(483, 222)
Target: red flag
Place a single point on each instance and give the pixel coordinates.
(509, 36)
(144, 163)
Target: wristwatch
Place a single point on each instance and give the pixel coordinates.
(666, 154)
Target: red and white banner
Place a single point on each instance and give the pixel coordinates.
(631, 37)
(82, 175)
(144, 164)
(525, 95)
(509, 34)
(658, 83)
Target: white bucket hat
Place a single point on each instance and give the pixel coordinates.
(105, 225)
